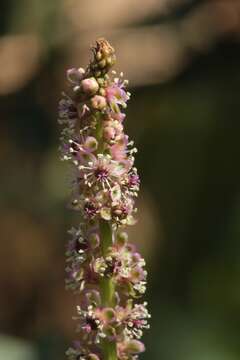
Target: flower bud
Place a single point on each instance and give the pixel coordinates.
(108, 315)
(102, 63)
(109, 133)
(101, 81)
(111, 60)
(134, 347)
(89, 86)
(90, 144)
(122, 238)
(116, 193)
(75, 75)
(102, 91)
(98, 56)
(109, 331)
(105, 213)
(94, 240)
(98, 102)
(93, 296)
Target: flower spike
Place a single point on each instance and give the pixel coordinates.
(105, 271)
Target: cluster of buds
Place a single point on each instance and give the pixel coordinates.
(103, 268)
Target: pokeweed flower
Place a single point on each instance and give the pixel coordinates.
(102, 267)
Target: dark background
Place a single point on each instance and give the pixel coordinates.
(182, 60)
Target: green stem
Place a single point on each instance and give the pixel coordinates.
(107, 287)
(99, 133)
(109, 350)
(106, 236)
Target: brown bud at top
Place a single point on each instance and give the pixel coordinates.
(104, 58)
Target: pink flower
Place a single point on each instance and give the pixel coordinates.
(116, 95)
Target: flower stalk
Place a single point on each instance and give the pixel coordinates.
(107, 285)
(103, 268)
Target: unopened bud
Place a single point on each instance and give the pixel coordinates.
(98, 102)
(102, 92)
(75, 75)
(89, 86)
(101, 81)
(105, 213)
(122, 238)
(108, 315)
(109, 133)
(102, 63)
(98, 56)
(91, 143)
(94, 240)
(135, 347)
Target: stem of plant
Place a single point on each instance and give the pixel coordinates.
(107, 287)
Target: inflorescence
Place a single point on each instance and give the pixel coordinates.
(102, 266)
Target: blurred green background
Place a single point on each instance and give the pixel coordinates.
(182, 59)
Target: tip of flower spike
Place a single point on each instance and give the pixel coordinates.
(103, 58)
